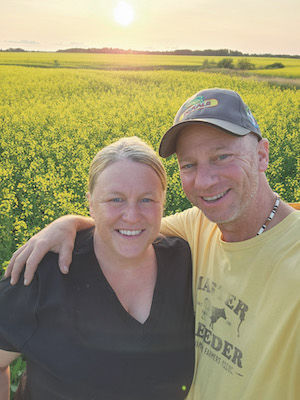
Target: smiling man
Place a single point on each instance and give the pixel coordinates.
(245, 247)
(246, 252)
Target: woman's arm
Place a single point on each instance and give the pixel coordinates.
(6, 357)
(59, 237)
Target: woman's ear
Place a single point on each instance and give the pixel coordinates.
(90, 201)
(263, 154)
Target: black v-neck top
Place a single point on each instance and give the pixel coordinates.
(80, 343)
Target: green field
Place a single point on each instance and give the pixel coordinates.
(54, 120)
(131, 61)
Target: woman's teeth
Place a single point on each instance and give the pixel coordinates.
(130, 233)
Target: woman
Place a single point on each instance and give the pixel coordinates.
(120, 326)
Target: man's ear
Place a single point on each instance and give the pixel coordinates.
(263, 154)
(89, 198)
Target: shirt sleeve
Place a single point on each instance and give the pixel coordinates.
(179, 224)
(18, 320)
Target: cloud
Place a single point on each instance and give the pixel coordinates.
(67, 43)
(21, 42)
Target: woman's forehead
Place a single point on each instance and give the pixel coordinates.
(123, 175)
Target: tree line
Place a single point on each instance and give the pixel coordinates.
(182, 52)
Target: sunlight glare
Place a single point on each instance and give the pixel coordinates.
(123, 13)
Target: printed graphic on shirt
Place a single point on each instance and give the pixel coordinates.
(219, 325)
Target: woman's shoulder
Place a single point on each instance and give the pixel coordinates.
(171, 241)
(84, 242)
(172, 245)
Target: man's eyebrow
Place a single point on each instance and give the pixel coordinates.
(221, 147)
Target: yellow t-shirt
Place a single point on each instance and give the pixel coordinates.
(247, 305)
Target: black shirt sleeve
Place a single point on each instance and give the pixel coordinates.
(18, 320)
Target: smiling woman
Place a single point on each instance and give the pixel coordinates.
(123, 13)
(125, 309)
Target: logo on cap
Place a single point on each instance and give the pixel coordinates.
(198, 104)
(251, 118)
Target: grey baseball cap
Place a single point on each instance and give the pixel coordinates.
(219, 107)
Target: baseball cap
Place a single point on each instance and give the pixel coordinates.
(219, 107)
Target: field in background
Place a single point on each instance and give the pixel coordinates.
(54, 120)
(131, 61)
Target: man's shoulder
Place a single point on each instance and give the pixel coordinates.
(286, 246)
(293, 219)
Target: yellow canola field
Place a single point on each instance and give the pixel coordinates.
(53, 121)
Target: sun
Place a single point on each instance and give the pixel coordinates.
(123, 13)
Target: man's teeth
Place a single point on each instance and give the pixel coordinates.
(218, 196)
(129, 233)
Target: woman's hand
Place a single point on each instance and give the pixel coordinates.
(59, 237)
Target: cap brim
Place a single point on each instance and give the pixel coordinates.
(168, 142)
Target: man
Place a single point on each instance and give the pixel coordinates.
(245, 246)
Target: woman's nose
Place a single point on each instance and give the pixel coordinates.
(131, 213)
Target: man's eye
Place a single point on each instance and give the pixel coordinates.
(116, 200)
(223, 156)
(146, 200)
(187, 166)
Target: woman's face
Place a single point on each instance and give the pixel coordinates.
(127, 206)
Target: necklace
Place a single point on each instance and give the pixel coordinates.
(271, 216)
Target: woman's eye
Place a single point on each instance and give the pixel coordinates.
(146, 200)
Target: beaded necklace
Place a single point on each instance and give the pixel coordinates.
(271, 216)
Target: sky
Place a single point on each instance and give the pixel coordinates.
(257, 26)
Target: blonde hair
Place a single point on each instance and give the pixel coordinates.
(131, 148)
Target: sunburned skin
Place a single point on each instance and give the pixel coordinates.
(220, 172)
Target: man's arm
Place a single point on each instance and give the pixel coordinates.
(6, 357)
(181, 224)
(59, 237)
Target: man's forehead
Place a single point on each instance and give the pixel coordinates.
(205, 128)
(204, 134)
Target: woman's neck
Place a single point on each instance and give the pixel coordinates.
(132, 280)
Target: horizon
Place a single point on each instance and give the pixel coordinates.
(253, 28)
(114, 50)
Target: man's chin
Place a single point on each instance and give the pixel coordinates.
(219, 219)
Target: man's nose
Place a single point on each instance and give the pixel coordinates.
(206, 177)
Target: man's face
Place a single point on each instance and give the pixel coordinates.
(220, 172)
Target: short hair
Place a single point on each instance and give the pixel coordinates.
(131, 148)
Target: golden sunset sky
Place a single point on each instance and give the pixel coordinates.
(257, 26)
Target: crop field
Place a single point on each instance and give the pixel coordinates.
(132, 61)
(54, 120)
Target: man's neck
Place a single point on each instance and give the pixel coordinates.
(248, 226)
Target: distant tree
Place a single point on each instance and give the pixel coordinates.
(245, 64)
(274, 65)
(226, 63)
(209, 63)
(15, 50)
